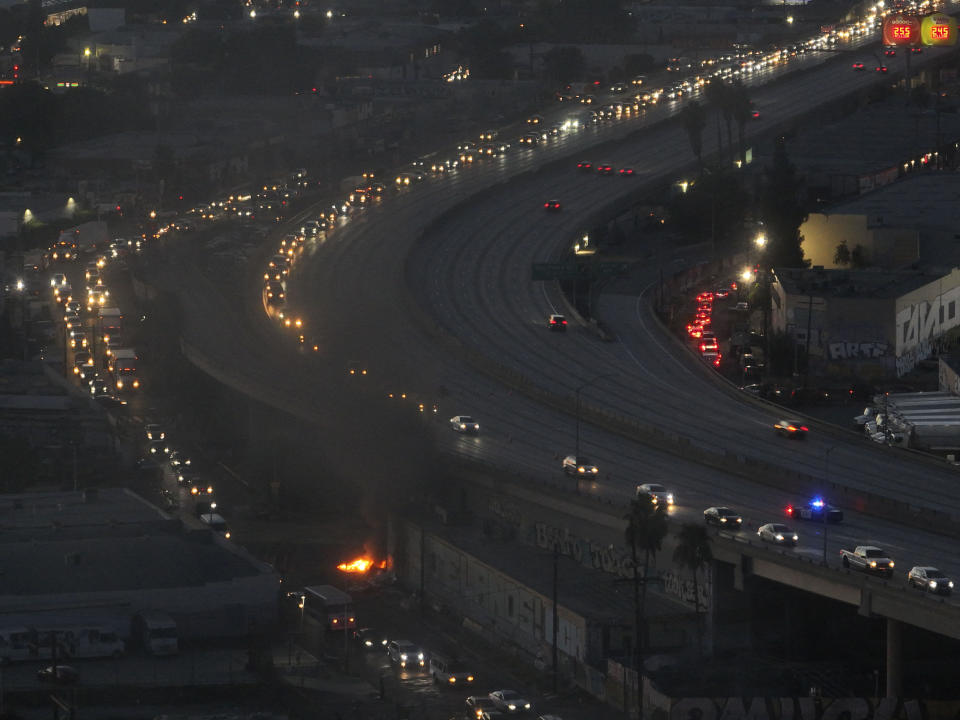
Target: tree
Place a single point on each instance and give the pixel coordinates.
(694, 121)
(781, 210)
(841, 255)
(693, 552)
(716, 94)
(564, 64)
(646, 529)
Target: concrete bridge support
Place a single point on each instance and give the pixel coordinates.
(894, 658)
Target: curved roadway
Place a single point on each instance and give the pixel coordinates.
(474, 297)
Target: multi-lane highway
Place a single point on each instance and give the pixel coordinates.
(422, 302)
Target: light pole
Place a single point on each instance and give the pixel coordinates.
(826, 513)
(577, 392)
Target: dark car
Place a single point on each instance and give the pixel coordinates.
(370, 639)
(791, 428)
(58, 675)
(722, 517)
(557, 323)
(552, 206)
(584, 166)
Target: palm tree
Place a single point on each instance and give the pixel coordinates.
(693, 552)
(716, 93)
(646, 529)
(694, 121)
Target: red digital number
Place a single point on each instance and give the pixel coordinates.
(940, 32)
(901, 32)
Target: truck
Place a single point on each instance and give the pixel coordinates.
(869, 559)
(111, 324)
(330, 606)
(123, 369)
(157, 631)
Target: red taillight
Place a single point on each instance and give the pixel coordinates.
(790, 510)
(563, 322)
(804, 428)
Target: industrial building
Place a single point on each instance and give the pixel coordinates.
(110, 553)
(866, 323)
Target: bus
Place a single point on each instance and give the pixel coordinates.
(330, 606)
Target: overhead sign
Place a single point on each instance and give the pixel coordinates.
(938, 29)
(901, 30)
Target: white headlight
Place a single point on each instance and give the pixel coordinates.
(933, 584)
(779, 537)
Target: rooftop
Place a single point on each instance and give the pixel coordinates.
(104, 541)
(928, 201)
(852, 283)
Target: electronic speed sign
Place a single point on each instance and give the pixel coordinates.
(901, 30)
(938, 29)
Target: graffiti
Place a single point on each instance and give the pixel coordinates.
(920, 324)
(682, 587)
(856, 351)
(805, 708)
(508, 514)
(607, 558)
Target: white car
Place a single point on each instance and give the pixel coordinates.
(573, 465)
(464, 424)
(405, 654)
(778, 533)
(657, 493)
(510, 701)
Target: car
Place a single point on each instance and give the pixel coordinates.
(216, 523)
(552, 206)
(275, 293)
(177, 460)
(916, 50)
(58, 280)
(58, 675)
(777, 533)
(722, 292)
(791, 428)
(154, 431)
(72, 307)
(464, 424)
(858, 66)
(557, 323)
(584, 166)
(78, 338)
(657, 493)
(450, 673)
(573, 465)
(205, 507)
(157, 448)
(510, 701)
(535, 120)
(72, 320)
(370, 639)
(356, 368)
(817, 510)
(479, 704)
(722, 517)
(605, 169)
(929, 579)
(405, 653)
(98, 386)
(889, 52)
(626, 172)
(881, 68)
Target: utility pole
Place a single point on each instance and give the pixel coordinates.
(806, 370)
(825, 506)
(556, 620)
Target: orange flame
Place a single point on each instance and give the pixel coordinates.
(360, 565)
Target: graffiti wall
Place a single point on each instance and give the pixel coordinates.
(810, 708)
(922, 321)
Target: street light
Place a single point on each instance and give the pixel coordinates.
(760, 241)
(826, 460)
(577, 392)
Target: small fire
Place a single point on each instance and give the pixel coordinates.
(361, 565)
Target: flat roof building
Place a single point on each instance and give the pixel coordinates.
(111, 552)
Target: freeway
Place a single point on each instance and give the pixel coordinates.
(470, 276)
(474, 305)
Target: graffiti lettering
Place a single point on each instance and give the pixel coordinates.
(804, 708)
(683, 587)
(852, 350)
(599, 557)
